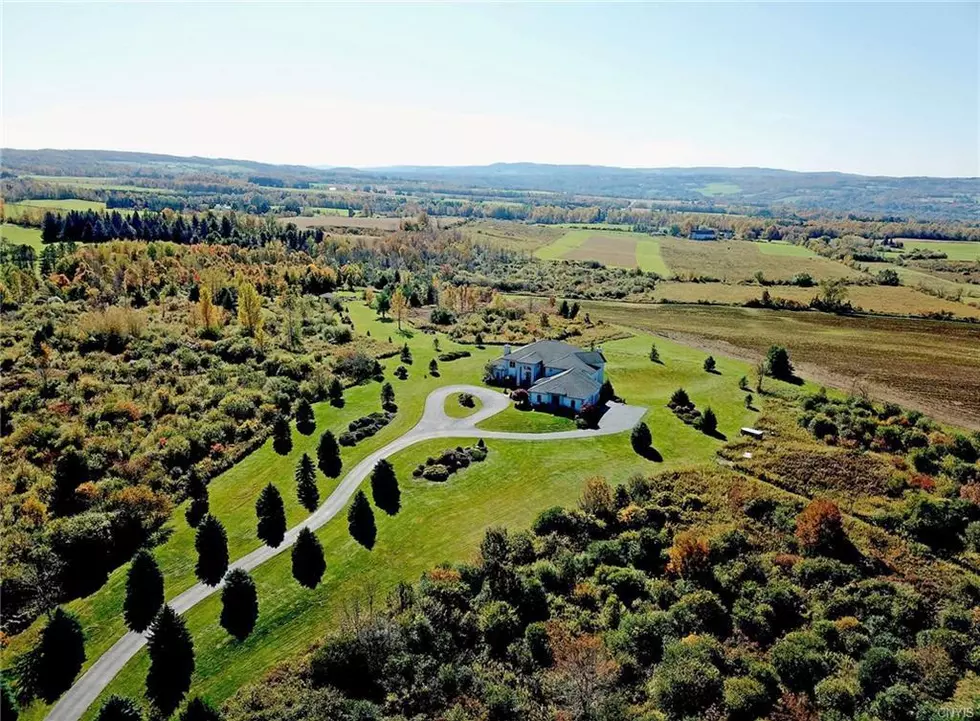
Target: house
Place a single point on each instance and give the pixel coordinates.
(703, 234)
(556, 374)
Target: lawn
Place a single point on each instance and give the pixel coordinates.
(19, 235)
(527, 422)
(455, 409)
(438, 521)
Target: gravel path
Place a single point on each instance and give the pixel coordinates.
(433, 424)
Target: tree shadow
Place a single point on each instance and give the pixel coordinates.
(283, 446)
(714, 372)
(716, 434)
(406, 333)
(651, 454)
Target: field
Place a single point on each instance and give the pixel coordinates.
(893, 300)
(930, 365)
(512, 236)
(342, 221)
(60, 204)
(955, 250)
(779, 247)
(438, 521)
(615, 248)
(22, 236)
(916, 278)
(713, 189)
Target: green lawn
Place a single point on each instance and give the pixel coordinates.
(19, 235)
(532, 421)
(955, 250)
(779, 247)
(441, 522)
(455, 409)
(557, 249)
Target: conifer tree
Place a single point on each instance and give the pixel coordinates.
(171, 653)
(118, 708)
(239, 604)
(211, 544)
(308, 562)
(335, 392)
(328, 455)
(360, 521)
(272, 516)
(58, 657)
(282, 435)
(198, 709)
(384, 488)
(388, 397)
(306, 490)
(406, 355)
(305, 420)
(144, 591)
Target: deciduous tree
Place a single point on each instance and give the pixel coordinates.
(249, 308)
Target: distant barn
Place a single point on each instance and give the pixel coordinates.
(703, 234)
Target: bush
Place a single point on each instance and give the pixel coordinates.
(746, 698)
(709, 364)
(835, 695)
(442, 316)
(800, 659)
(685, 685)
(640, 438)
(820, 527)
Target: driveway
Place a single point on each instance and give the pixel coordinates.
(433, 424)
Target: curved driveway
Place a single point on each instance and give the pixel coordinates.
(433, 424)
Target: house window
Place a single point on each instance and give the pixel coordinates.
(512, 364)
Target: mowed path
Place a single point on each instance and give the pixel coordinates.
(433, 424)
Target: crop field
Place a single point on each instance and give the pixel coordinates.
(737, 260)
(19, 235)
(919, 278)
(930, 365)
(615, 248)
(955, 250)
(892, 300)
(512, 236)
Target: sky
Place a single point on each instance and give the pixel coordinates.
(877, 89)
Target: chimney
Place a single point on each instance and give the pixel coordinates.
(506, 348)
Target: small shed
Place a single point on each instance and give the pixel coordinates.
(753, 433)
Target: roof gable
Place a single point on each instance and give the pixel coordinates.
(557, 354)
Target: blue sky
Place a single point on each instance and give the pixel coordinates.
(872, 88)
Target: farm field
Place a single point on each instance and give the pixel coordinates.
(956, 250)
(916, 278)
(60, 204)
(96, 183)
(19, 235)
(930, 365)
(894, 300)
(615, 248)
(779, 247)
(496, 491)
(341, 221)
(512, 236)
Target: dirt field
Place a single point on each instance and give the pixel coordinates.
(929, 365)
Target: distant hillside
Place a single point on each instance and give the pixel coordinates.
(761, 188)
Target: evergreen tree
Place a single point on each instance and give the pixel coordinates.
(709, 364)
(563, 309)
(171, 653)
(282, 435)
(305, 420)
(360, 521)
(239, 604)
(384, 488)
(433, 367)
(70, 471)
(654, 353)
(198, 709)
(211, 544)
(118, 708)
(640, 438)
(336, 393)
(144, 591)
(58, 657)
(573, 311)
(328, 455)
(708, 423)
(406, 355)
(306, 490)
(308, 562)
(388, 397)
(272, 516)
(9, 711)
(197, 490)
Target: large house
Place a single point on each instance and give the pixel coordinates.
(556, 374)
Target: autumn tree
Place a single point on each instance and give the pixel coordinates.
(360, 521)
(820, 527)
(307, 556)
(271, 515)
(249, 309)
(597, 498)
(239, 604)
(582, 673)
(171, 652)
(328, 455)
(144, 591)
(690, 555)
(399, 304)
(306, 490)
(211, 543)
(209, 317)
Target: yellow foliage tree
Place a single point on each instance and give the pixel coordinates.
(249, 309)
(399, 304)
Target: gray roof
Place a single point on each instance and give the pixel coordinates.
(574, 383)
(557, 354)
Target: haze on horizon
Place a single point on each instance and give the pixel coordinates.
(875, 89)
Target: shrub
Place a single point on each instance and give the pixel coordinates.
(746, 698)
(686, 686)
(709, 364)
(499, 625)
(800, 659)
(640, 438)
(820, 527)
(835, 695)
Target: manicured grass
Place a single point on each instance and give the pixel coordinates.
(955, 250)
(531, 421)
(455, 409)
(780, 247)
(445, 521)
(565, 244)
(233, 493)
(22, 236)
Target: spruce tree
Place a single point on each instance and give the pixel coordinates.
(308, 562)
(272, 516)
(709, 364)
(388, 397)
(709, 422)
(118, 708)
(59, 655)
(211, 544)
(144, 591)
(654, 353)
(384, 488)
(171, 653)
(282, 435)
(336, 393)
(239, 604)
(198, 709)
(328, 455)
(197, 491)
(406, 355)
(641, 438)
(433, 367)
(360, 521)
(305, 420)
(306, 490)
